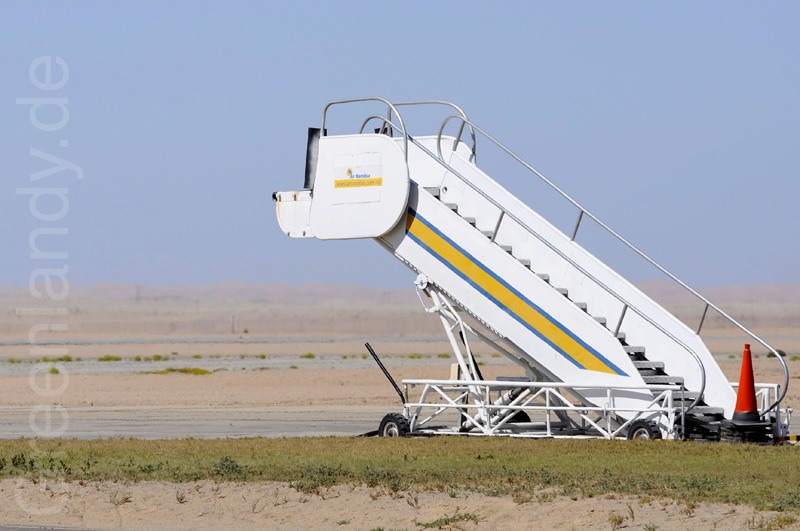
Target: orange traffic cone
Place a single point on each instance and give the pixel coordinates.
(746, 409)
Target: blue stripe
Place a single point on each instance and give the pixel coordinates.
(512, 290)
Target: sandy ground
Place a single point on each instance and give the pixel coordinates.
(277, 506)
(258, 349)
(290, 379)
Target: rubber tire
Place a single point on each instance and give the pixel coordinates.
(520, 417)
(644, 430)
(394, 425)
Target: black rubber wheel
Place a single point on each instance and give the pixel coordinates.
(520, 417)
(644, 430)
(394, 425)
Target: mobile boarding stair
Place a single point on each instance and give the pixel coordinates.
(600, 358)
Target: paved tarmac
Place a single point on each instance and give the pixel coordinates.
(167, 422)
(157, 422)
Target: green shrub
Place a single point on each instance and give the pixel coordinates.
(65, 358)
(197, 371)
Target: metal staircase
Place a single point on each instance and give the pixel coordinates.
(651, 372)
(601, 357)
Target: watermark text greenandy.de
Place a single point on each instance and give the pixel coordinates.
(46, 190)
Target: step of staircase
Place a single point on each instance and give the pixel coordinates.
(435, 191)
(544, 276)
(506, 248)
(470, 220)
(649, 365)
(634, 349)
(689, 396)
(663, 380)
(525, 261)
(563, 291)
(582, 306)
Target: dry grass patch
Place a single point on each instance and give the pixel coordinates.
(689, 473)
(197, 371)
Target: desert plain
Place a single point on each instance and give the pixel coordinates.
(265, 356)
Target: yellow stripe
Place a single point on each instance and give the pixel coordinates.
(358, 183)
(505, 296)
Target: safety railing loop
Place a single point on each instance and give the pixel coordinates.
(389, 104)
(461, 114)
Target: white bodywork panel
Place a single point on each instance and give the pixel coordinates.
(294, 211)
(361, 187)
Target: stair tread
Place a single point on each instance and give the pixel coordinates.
(506, 248)
(524, 261)
(435, 191)
(487, 233)
(582, 306)
(648, 364)
(635, 349)
(563, 291)
(451, 206)
(470, 220)
(601, 320)
(663, 379)
(687, 395)
(544, 276)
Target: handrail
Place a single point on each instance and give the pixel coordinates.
(577, 266)
(583, 211)
(460, 129)
(389, 104)
(368, 119)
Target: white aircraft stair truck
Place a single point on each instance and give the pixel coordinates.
(600, 358)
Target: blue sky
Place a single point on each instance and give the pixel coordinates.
(677, 123)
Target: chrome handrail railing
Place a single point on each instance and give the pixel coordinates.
(389, 104)
(453, 106)
(583, 211)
